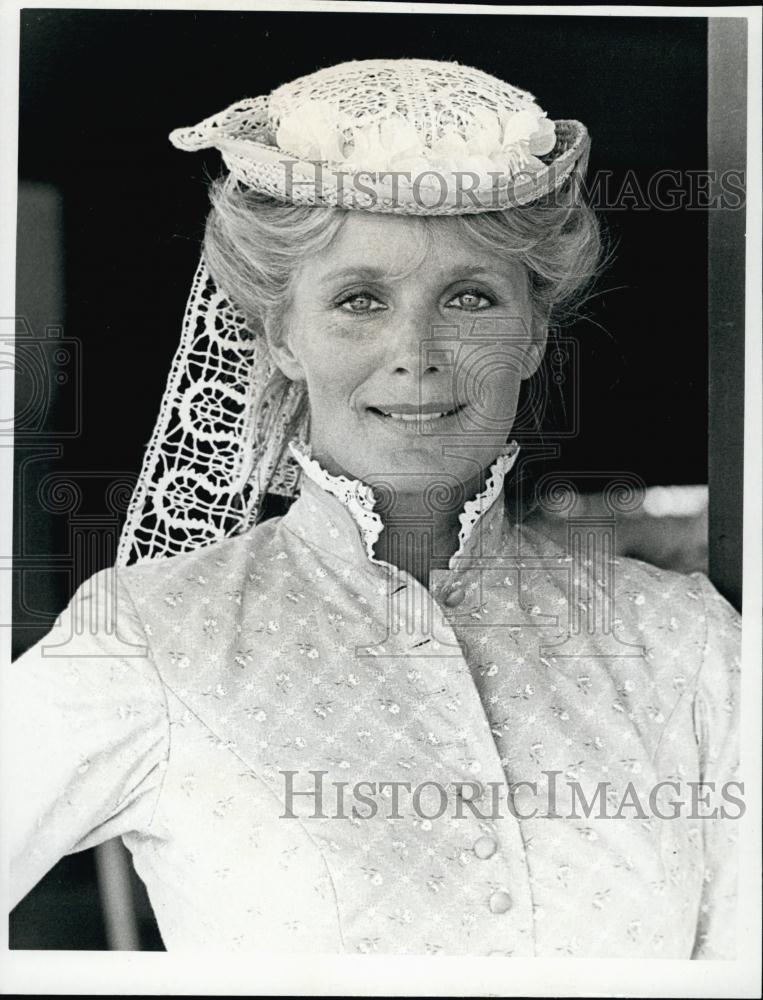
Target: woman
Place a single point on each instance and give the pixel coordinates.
(396, 719)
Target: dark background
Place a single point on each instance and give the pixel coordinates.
(99, 93)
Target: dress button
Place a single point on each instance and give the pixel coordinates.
(454, 597)
(500, 902)
(484, 848)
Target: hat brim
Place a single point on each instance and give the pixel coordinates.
(261, 165)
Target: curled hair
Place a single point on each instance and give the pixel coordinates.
(253, 245)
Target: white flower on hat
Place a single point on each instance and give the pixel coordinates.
(385, 145)
(509, 143)
(527, 134)
(529, 127)
(311, 133)
(452, 153)
(543, 138)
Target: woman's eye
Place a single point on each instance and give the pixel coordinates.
(361, 302)
(470, 300)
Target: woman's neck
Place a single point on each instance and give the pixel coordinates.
(421, 527)
(421, 530)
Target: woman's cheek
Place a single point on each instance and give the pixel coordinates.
(496, 398)
(339, 332)
(347, 342)
(333, 371)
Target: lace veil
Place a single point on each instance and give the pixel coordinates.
(219, 443)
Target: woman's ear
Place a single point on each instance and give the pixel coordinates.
(279, 344)
(537, 346)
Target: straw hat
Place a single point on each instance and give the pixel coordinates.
(410, 136)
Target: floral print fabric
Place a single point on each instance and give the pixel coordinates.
(243, 680)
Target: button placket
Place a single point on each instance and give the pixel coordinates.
(499, 847)
(499, 875)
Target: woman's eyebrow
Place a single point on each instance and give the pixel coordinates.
(456, 271)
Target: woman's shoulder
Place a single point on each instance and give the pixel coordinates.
(226, 559)
(691, 594)
(643, 582)
(674, 616)
(690, 633)
(112, 617)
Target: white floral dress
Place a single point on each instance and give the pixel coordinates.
(290, 660)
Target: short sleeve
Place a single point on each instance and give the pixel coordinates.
(716, 725)
(85, 734)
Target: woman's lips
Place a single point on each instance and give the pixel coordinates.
(407, 414)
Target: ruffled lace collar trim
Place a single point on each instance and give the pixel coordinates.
(474, 509)
(358, 498)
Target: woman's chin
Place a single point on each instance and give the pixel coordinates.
(419, 465)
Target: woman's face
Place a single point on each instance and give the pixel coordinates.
(412, 347)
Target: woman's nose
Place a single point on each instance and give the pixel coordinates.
(411, 345)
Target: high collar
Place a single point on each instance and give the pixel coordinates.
(338, 514)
